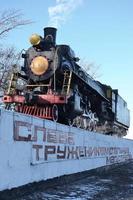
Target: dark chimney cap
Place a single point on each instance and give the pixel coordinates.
(50, 35)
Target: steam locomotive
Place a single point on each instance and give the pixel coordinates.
(57, 88)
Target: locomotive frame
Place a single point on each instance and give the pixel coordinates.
(57, 88)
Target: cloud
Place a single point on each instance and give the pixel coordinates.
(59, 13)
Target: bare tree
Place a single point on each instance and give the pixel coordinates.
(9, 57)
(10, 20)
(9, 61)
(90, 67)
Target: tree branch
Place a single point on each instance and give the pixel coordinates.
(10, 20)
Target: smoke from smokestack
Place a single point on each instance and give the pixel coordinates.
(59, 13)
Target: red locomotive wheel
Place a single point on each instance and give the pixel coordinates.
(55, 113)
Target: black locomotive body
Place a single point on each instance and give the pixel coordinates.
(58, 88)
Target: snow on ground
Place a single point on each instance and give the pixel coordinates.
(112, 184)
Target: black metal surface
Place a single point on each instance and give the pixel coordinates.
(50, 35)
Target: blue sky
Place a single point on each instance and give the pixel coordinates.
(100, 31)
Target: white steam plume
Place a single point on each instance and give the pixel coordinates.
(59, 13)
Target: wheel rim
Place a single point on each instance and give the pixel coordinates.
(78, 122)
(70, 122)
(55, 113)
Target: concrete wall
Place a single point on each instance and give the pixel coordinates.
(32, 149)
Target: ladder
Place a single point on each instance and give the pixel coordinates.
(66, 82)
(12, 83)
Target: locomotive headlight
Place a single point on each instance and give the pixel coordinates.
(39, 65)
(35, 39)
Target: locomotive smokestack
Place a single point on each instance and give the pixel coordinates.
(50, 35)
